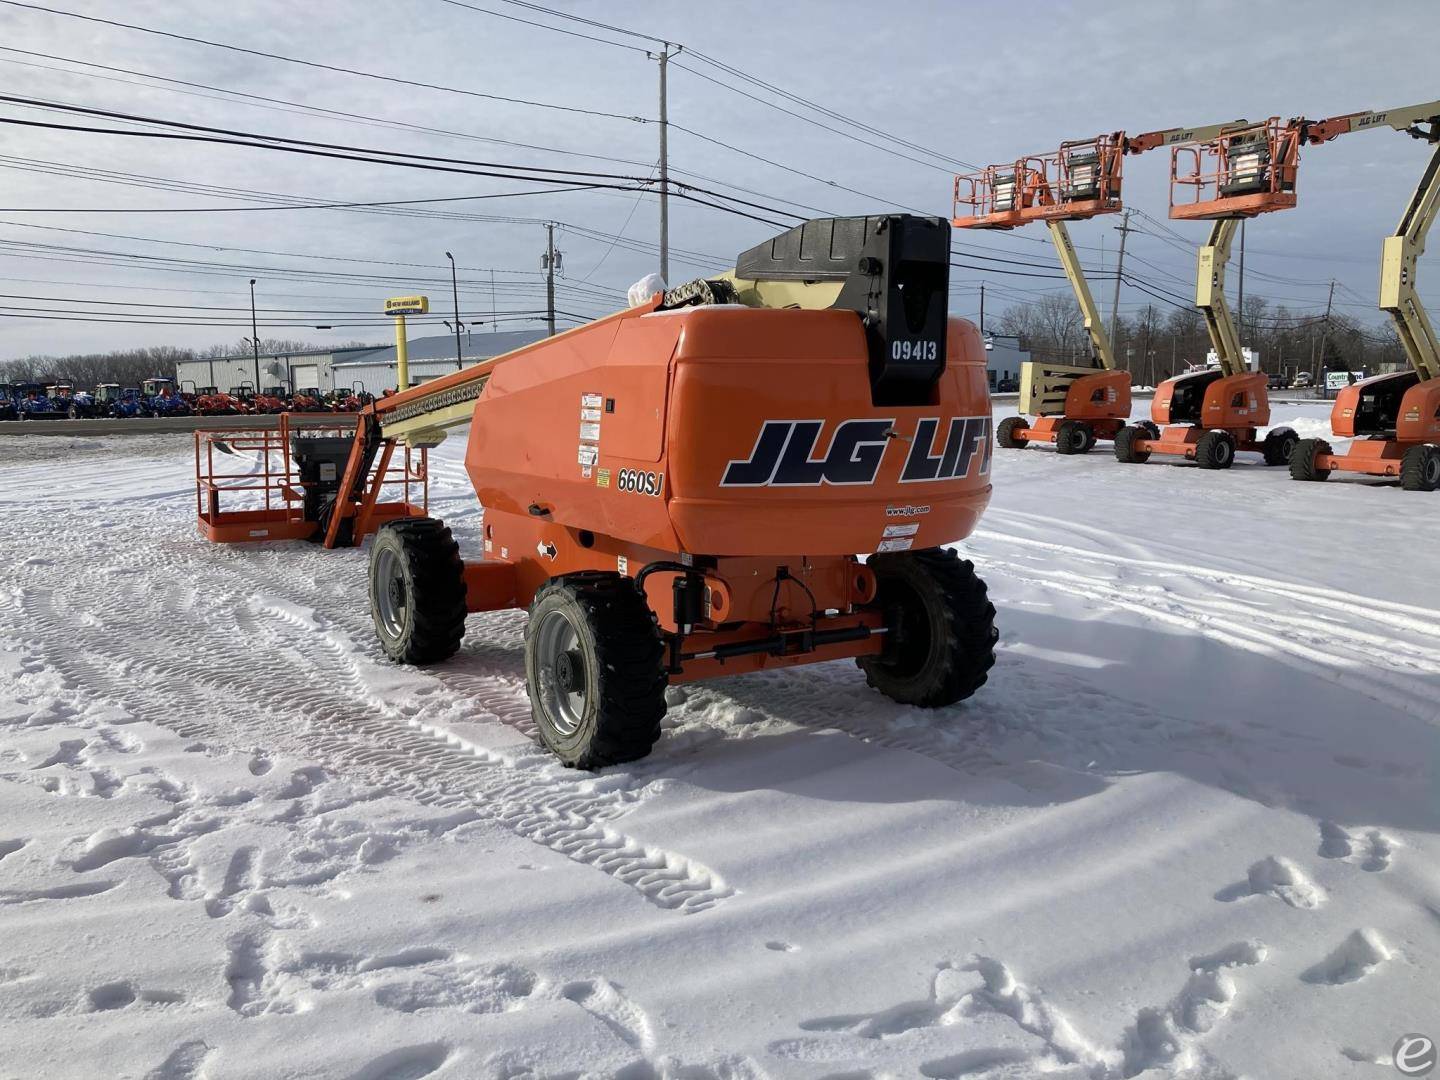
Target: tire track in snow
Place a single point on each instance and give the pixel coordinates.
(1388, 669)
(194, 671)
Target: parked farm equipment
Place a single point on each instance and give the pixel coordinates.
(32, 403)
(162, 399)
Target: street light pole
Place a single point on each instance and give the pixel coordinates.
(455, 292)
(254, 335)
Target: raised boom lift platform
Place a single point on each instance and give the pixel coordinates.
(678, 491)
(1394, 418)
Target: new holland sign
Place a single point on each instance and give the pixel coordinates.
(407, 305)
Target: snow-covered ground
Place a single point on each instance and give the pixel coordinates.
(1188, 829)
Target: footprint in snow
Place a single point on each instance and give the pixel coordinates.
(1275, 876)
(1353, 959)
(1372, 849)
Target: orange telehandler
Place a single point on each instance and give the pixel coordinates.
(678, 491)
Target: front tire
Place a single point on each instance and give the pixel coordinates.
(1074, 437)
(940, 640)
(595, 671)
(1125, 439)
(1005, 436)
(1279, 445)
(1302, 460)
(1420, 468)
(417, 590)
(1215, 450)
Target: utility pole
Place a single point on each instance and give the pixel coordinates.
(455, 292)
(254, 335)
(494, 309)
(549, 264)
(1124, 230)
(982, 308)
(1325, 334)
(664, 57)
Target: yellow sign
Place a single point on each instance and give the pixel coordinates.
(407, 305)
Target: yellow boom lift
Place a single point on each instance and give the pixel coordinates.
(1394, 418)
(1077, 404)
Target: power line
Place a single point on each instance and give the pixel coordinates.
(347, 152)
(544, 26)
(323, 67)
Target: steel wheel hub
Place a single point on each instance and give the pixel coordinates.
(390, 596)
(560, 668)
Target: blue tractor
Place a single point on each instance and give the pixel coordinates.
(163, 399)
(32, 403)
(128, 403)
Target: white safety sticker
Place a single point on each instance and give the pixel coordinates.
(589, 455)
(896, 545)
(590, 432)
(591, 401)
(902, 530)
(622, 564)
(590, 414)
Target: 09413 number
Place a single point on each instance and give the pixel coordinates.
(914, 350)
(642, 483)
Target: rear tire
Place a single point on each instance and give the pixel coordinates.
(417, 590)
(1125, 445)
(1215, 450)
(1074, 437)
(1151, 428)
(940, 644)
(1005, 436)
(595, 671)
(1420, 468)
(1302, 460)
(1279, 445)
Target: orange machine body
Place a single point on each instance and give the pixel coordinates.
(575, 452)
(1386, 415)
(1101, 400)
(1189, 405)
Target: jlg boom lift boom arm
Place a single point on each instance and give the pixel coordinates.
(1394, 418)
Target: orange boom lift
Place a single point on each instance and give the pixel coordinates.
(1394, 418)
(1075, 404)
(677, 491)
(1240, 171)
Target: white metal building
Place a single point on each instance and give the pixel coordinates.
(308, 369)
(373, 370)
